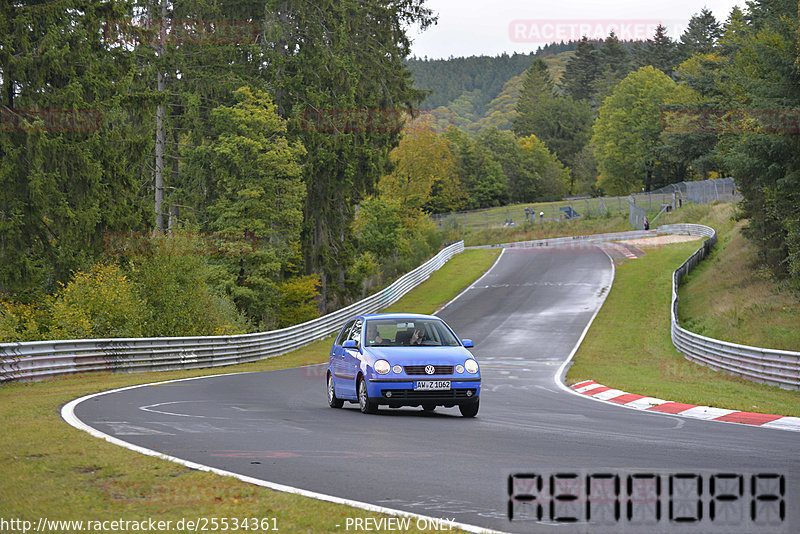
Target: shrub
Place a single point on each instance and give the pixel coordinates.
(174, 282)
(98, 303)
(23, 322)
(298, 300)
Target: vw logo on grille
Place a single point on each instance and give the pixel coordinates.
(429, 369)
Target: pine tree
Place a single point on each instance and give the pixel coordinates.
(70, 148)
(340, 61)
(560, 122)
(537, 88)
(581, 71)
(614, 65)
(258, 213)
(701, 34)
(761, 79)
(660, 52)
(613, 55)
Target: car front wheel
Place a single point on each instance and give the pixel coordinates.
(366, 404)
(469, 410)
(333, 402)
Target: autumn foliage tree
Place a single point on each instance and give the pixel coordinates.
(423, 164)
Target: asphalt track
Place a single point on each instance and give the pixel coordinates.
(526, 316)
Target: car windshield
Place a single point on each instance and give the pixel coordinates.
(408, 332)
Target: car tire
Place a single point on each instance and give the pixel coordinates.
(469, 410)
(366, 404)
(333, 402)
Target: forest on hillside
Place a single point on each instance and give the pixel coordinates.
(482, 77)
(619, 117)
(193, 167)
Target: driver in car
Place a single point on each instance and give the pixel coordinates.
(373, 337)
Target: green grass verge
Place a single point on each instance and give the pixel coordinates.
(437, 291)
(628, 346)
(57, 472)
(731, 296)
(545, 230)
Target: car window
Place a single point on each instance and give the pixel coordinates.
(355, 332)
(343, 335)
(400, 332)
(442, 335)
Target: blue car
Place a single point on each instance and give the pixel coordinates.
(402, 360)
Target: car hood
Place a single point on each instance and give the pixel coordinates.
(419, 355)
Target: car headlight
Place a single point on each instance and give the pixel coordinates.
(382, 367)
(397, 369)
(471, 366)
(459, 369)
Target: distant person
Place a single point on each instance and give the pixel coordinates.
(541, 216)
(646, 224)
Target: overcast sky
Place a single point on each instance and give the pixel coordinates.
(491, 27)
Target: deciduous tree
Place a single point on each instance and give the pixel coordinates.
(627, 130)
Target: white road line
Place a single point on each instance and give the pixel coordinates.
(68, 414)
(642, 405)
(558, 378)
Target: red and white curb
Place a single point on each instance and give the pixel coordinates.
(620, 249)
(597, 391)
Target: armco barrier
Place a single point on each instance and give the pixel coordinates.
(767, 366)
(44, 359)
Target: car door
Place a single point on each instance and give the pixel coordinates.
(352, 360)
(337, 357)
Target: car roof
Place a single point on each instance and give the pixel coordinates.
(400, 316)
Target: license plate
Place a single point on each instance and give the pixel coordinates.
(432, 385)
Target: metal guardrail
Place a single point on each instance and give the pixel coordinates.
(767, 366)
(38, 360)
(572, 241)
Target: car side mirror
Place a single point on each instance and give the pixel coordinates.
(467, 343)
(350, 344)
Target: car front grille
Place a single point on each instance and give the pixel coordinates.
(410, 394)
(420, 370)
